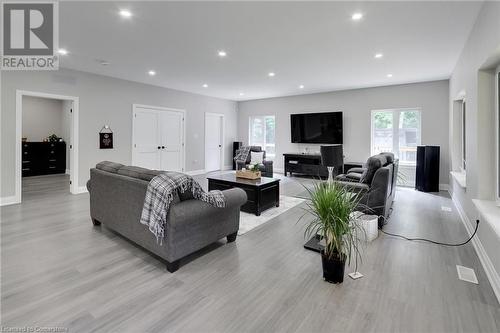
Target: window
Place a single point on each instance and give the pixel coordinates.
(262, 133)
(396, 131)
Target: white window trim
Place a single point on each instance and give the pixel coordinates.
(395, 124)
(497, 122)
(463, 129)
(264, 143)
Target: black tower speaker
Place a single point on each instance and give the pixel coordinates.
(236, 145)
(427, 177)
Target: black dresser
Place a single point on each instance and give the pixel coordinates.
(43, 158)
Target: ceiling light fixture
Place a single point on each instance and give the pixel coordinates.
(389, 75)
(125, 13)
(222, 53)
(357, 16)
(301, 86)
(271, 74)
(205, 85)
(62, 51)
(378, 55)
(152, 73)
(241, 93)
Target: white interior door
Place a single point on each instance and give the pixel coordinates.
(172, 140)
(146, 148)
(213, 142)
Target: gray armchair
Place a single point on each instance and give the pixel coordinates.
(376, 182)
(266, 168)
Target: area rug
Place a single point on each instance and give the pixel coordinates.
(250, 221)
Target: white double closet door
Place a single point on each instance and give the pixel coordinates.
(158, 138)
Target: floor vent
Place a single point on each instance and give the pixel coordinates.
(466, 274)
(446, 208)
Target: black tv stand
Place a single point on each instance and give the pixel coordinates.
(305, 164)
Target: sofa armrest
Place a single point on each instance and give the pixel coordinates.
(195, 210)
(235, 197)
(88, 185)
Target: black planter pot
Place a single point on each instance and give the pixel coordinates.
(333, 268)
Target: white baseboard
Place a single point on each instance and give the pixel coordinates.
(444, 187)
(67, 172)
(195, 172)
(488, 267)
(81, 189)
(278, 170)
(5, 201)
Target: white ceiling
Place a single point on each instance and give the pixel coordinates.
(312, 44)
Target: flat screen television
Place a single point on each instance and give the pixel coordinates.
(324, 127)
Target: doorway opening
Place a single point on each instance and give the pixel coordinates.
(214, 142)
(46, 144)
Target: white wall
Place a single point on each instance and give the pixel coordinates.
(105, 100)
(431, 97)
(41, 118)
(472, 75)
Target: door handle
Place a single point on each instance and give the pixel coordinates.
(220, 146)
(159, 147)
(162, 147)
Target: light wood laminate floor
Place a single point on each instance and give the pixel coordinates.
(59, 270)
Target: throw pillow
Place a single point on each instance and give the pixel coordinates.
(256, 157)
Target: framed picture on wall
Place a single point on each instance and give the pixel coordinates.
(106, 138)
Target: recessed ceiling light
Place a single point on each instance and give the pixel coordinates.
(152, 73)
(271, 74)
(222, 53)
(62, 51)
(301, 86)
(357, 16)
(205, 85)
(125, 13)
(104, 62)
(378, 55)
(389, 75)
(241, 93)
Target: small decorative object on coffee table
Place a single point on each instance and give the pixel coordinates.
(252, 172)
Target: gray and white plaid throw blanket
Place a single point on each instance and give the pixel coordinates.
(160, 194)
(242, 154)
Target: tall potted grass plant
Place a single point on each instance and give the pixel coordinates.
(332, 207)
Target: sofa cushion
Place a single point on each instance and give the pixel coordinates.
(354, 176)
(109, 166)
(372, 165)
(131, 171)
(148, 174)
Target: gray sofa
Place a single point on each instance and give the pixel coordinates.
(266, 168)
(117, 195)
(377, 184)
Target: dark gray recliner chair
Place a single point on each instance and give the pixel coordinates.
(376, 183)
(266, 168)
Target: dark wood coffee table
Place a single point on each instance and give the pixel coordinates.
(262, 193)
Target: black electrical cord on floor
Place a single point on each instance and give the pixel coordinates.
(431, 241)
